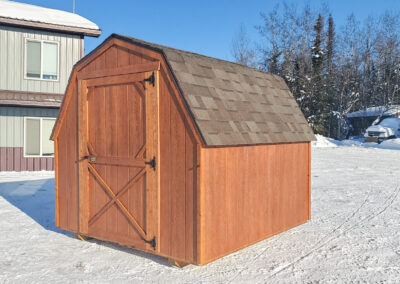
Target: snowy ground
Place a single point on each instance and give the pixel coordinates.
(354, 234)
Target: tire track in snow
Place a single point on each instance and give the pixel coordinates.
(316, 244)
(388, 202)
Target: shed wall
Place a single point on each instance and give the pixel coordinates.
(250, 193)
(12, 59)
(178, 178)
(233, 197)
(66, 169)
(177, 158)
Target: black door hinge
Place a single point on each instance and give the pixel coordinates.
(151, 79)
(152, 242)
(152, 163)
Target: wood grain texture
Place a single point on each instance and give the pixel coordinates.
(178, 181)
(152, 150)
(66, 170)
(82, 129)
(114, 80)
(118, 197)
(250, 193)
(200, 203)
(121, 70)
(56, 183)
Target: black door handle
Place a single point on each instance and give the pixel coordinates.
(91, 158)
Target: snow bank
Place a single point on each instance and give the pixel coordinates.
(324, 142)
(393, 144)
(11, 176)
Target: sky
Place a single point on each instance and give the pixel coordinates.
(205, 27)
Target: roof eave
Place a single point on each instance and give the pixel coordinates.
(50, 27)
(32, 99)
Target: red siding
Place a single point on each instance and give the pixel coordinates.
(12, 159)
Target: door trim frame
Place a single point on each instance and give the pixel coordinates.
(152, 149)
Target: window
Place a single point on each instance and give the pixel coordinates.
(37, 137)
(41, 60)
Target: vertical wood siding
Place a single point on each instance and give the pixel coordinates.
(12, 56)
(251, 193)
(66, 170)
(178, 183)
(240, 195)
(178, 150)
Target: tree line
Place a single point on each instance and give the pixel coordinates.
(330, 70)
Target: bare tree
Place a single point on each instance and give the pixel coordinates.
(351, 67)
(241, 48)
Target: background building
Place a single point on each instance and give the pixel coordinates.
(38, 48)
(362, 119)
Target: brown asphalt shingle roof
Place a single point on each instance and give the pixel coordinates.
(233, 104)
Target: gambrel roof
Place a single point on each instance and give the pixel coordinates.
(232, 104)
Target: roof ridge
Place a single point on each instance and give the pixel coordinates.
(224, 113)
(151, 45)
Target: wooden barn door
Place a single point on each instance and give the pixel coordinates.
(118, 153)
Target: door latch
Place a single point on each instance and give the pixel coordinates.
(152, 163)
(91, 158)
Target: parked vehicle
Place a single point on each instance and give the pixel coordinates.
(386, 129)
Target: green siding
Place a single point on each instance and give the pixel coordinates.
(12, 120)
(12, 56)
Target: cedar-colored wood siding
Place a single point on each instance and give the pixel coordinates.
(212, 201)
(177, 158)
(250, 193)
(66, 182)
(177, 149)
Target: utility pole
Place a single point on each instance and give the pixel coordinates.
(73, 6)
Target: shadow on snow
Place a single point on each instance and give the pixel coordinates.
(36, 199)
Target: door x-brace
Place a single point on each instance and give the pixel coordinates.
(115, 200)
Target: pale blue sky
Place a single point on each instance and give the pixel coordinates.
(205, 26)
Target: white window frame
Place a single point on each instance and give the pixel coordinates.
(41, 59)
(40, 137)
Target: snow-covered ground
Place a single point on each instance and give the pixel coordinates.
(323, 142)
(353, 236)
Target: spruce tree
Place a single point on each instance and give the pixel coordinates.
(317, 118)
(332, 121)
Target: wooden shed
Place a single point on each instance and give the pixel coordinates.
(178, 154)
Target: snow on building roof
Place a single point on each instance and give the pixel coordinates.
(21, 14)
(376, 111)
